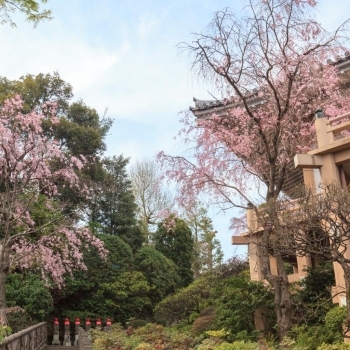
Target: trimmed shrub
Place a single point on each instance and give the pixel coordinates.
(202, 324)
(18, 319)
(208, 311)
(137, 323)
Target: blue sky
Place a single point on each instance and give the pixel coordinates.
(122, 55)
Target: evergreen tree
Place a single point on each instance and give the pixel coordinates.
(173, 238)
(160, 272)
(109, 288)
(113, 207)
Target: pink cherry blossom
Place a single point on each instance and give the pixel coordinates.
(31, 167)
(274, 82)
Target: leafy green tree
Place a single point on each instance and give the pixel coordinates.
(113, 207)
(160, 272)
(238, 300)
(29, 292)
(110, 288)
(30, 8)
(173, 238)
(313, 300)
(122, 298)
(80, 131)
(126, 297)
(35, 90)
(232, 267)
(187, 301)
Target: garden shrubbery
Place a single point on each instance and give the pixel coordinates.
(216, 312)
(151, 336)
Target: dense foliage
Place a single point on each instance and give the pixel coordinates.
(173, 238)
(112, 207)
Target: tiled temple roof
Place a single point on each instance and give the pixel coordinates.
(204, 108)
(343, 64)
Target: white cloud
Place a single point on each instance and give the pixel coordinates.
(77, 62)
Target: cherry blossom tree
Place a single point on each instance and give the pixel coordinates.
(272, 67)
(33, 232)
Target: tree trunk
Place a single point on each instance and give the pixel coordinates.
(346, 269)
(280, 284)
(210, 254)
(3, 318)
(4, 268)
(283, 302)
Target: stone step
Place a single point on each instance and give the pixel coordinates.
(61, 347)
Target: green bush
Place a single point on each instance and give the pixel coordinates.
(335, 319)
(240, 298)
(29, 292)
(136, 323)
(312, 337)
(312, 295)
(209, 344)
(5, 331)
(217, 344)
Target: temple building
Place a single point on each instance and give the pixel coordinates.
(329, 161)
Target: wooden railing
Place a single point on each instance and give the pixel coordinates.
(32, 338)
